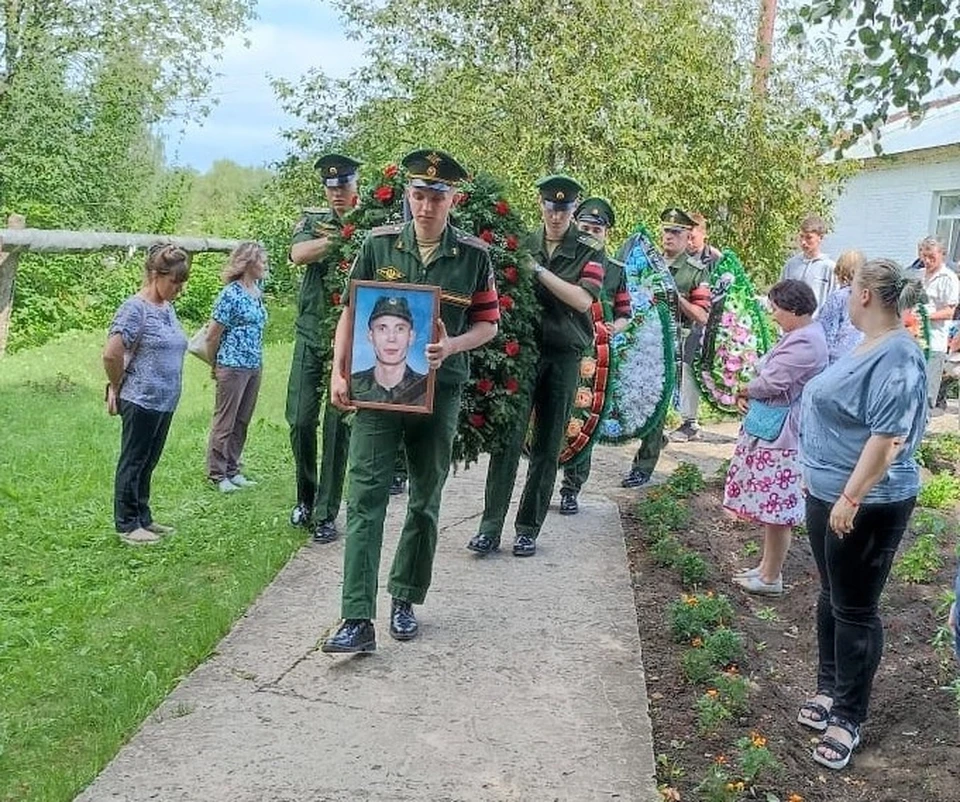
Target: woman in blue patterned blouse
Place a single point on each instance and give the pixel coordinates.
(842, 336)
(236, 336)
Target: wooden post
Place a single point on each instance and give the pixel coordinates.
(8, 275)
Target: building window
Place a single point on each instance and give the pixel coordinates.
(948, 223)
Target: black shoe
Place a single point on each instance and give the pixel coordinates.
(354, 635)
(403, 623)
(398, 485)
(325, 532)
(300, 516)
(686, 433)
(483, 544)
(524, 546)
(636, 478)
(568, 503)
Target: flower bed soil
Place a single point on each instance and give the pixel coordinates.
(910, 742)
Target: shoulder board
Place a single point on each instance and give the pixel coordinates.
(382, 231)
(468, 239)
(317, 210)
(591, 242)
(616, 262)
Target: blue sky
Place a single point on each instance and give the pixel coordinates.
(288, 38)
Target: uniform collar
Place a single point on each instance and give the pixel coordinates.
(567, 246)
(407, 241)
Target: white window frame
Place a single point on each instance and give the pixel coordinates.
(951, 239)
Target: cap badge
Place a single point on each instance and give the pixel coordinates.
(560, 195)
(431, 171)
(332, 171)
(433, 158)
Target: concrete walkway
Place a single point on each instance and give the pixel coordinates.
(525, 684)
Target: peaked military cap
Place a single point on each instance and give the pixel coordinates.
(393, 305)
(597, 211)
(335, 169)
(676, 218)
(433, 169)
(559, 192)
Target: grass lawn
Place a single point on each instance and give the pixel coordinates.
(94, 633)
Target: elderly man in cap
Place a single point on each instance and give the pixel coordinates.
(390, 379)
(568, 268)
(698, 246)
(693, 298)
(426, 250)
(595, 217)
(318, 500)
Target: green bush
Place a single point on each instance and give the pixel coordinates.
(942, 492)
(666, 551)
(733, 690)
(692, 567)
(920, 563)
(686, 480)
(697, 665)
(724, 645)
(696, 615)
(659, 512)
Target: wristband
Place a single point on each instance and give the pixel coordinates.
(849, 500)
(538, 268)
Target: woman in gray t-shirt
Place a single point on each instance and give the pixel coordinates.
(144, 364)
(861, 422)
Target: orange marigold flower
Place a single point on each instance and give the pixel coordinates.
(720, 760)
(794, 798)
(670, 794)
(713, 693)
(697, 643)
(758, 740)
(709, 594)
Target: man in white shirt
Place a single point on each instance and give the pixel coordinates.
(943, 294)
(813, 268)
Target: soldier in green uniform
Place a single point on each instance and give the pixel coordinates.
(595, 217)
(689, 274)
(318, 501)
(568, 266)
(427, 250)
(390, 380)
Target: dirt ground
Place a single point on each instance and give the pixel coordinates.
(909, 749)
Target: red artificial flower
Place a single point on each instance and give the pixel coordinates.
(354, 200)
(347, 231)
(512, 243)
(390, 171)
(510, 274)
(344, 266)
(335, 298)
(460, 198)
(383, 194)
(506, 303)
(476, 420)
(484, 386)
(511, 385)
(487, 235)
(511, 348)
(502, 208)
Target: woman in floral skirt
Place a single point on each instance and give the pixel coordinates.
(763, 481)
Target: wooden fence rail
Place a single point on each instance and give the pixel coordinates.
(16, 239)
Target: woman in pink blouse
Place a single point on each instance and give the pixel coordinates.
(763, 481)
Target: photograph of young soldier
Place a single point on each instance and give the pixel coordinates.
(391, 333)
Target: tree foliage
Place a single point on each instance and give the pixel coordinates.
(647, 104)
(906, 48)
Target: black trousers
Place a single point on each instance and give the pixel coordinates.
(142, 441)
(853, 571)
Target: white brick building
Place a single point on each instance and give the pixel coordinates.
(910, 191)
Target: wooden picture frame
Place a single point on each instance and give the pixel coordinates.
(392, 325)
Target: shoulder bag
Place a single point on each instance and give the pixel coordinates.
(764, 420)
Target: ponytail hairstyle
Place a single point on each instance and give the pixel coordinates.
(891, 284)
(164, 259)
(241, 258)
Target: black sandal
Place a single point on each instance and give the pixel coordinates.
(812, 708)
(827, 742)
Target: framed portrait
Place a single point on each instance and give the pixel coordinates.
(392, 325)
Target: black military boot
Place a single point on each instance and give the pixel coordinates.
(483, 544)
(636, 478)
(325, 532)
(524, 546)
(398, 485)
(403, 623)
(300, 515)
(568, 503)
(354, 635)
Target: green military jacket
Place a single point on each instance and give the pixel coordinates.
(412, 389)
(688, 272)
(312, 305)
(579, 260)
(460, 267)
(615, 288)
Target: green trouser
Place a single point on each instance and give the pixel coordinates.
(551, 399)
(575, 476)
(645, 460)
(374, 444)
(306, 387)
(400, 466)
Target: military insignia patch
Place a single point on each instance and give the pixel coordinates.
(389, 273)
